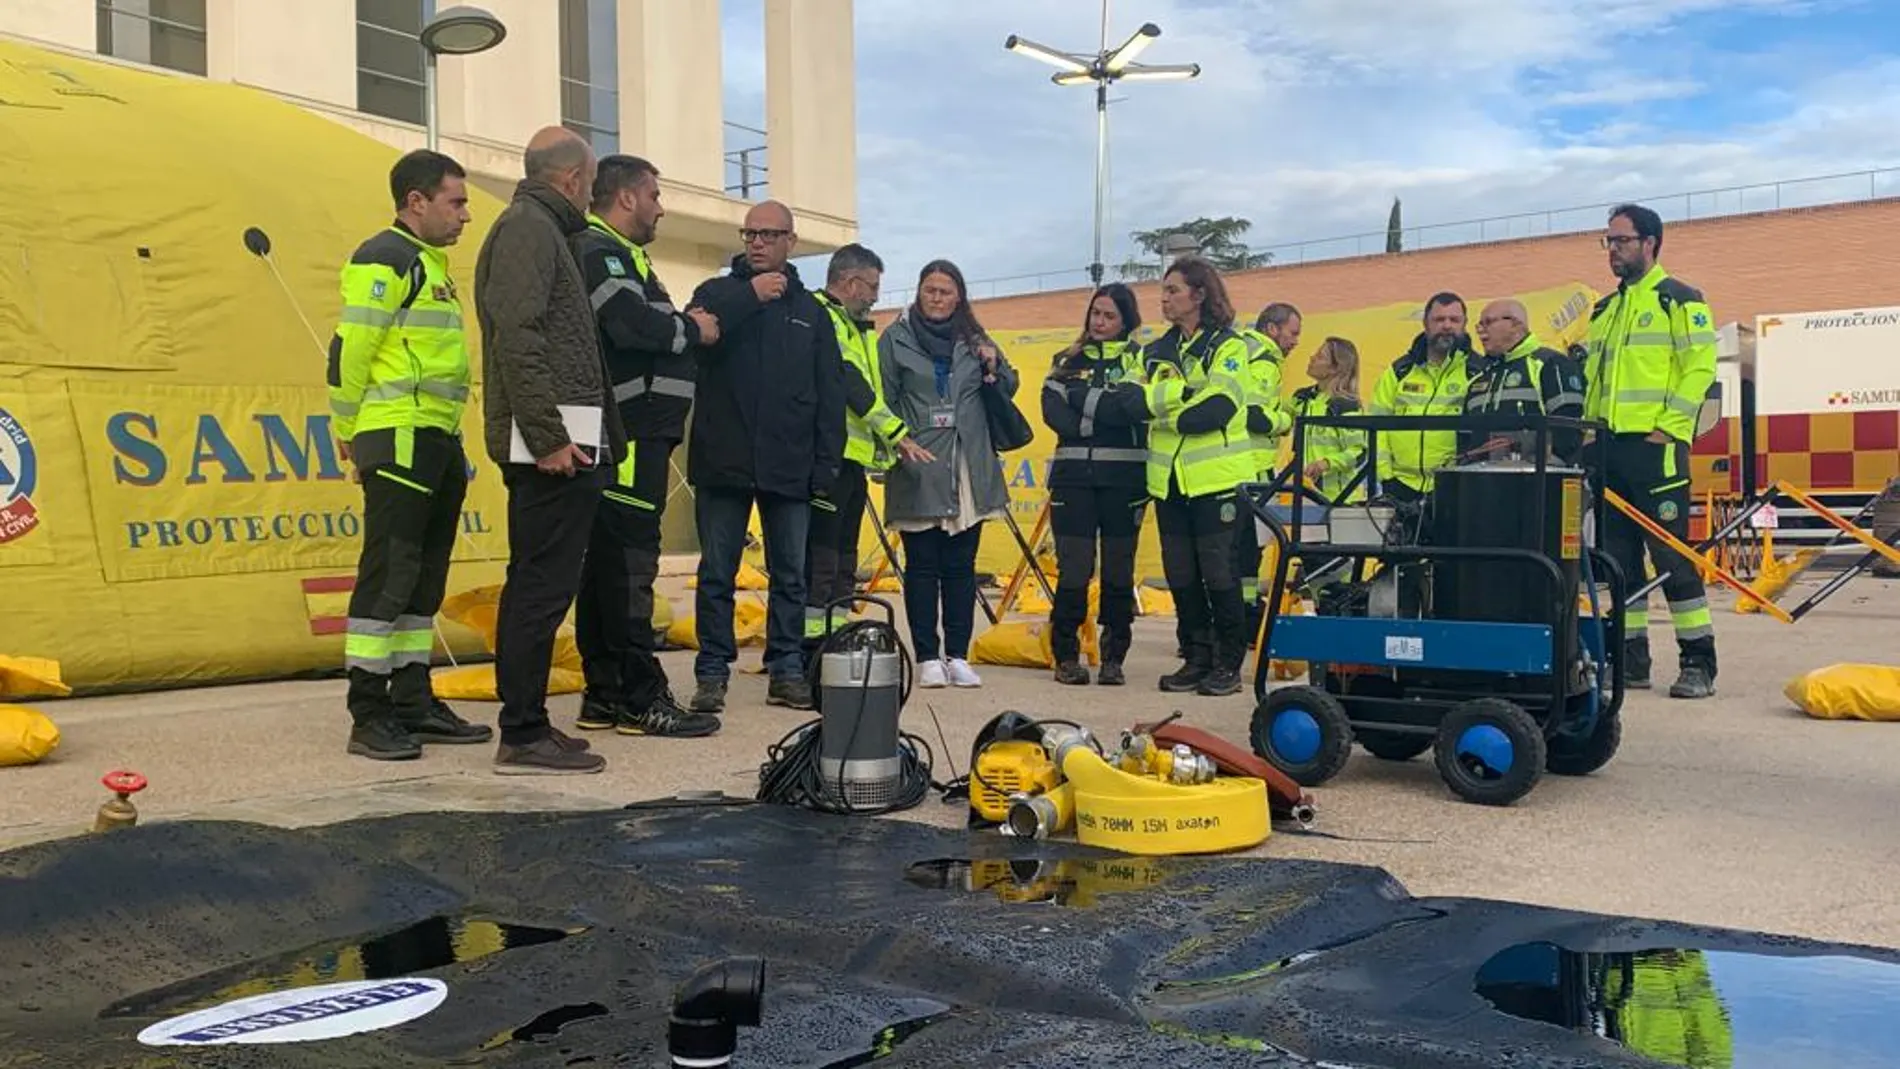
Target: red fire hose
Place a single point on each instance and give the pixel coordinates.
(1284, 797)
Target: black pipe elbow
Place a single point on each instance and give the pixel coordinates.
(710, 1008)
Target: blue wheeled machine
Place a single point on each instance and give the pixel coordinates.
(1471, 623)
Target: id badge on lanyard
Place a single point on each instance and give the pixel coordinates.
(943, 416)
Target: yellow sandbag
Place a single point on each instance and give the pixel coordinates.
(1016, 644)
(748, 626)
(1025, 644)
(748, 578)
(886, 584)
(476, 683)
(1848, 692)
(31, 677)
(1030, 601)
(1155, 602)
(1776, 574)
(26, 735)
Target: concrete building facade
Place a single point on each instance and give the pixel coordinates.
(640, 76)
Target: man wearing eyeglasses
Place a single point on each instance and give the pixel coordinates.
(1650, 363)
(1519, 375)
(768, 430)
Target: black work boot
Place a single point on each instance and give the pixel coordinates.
(1195, 667)
(709, 696)
(424, 716)
(1072, 674)
(374, 732)
(382, 739)
(442, 724)
(1219, 682)
(792, 692)
(664, 718)
(1697, 679)
(1636, 664)
(600, 713)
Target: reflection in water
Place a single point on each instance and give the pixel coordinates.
(429, 944)
(1063, 882)
(1705, 1009)
(889, 1039)
(547, 1024)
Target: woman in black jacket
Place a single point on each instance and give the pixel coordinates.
(1097, 480)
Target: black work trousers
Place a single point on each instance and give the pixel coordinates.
(831, 549)
(1082, 517)
(550, 521)
(1197, 556)
(613, 619)
(412, 505)
(1655, 479)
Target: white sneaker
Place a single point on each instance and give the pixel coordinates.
(962, 675)
(930, 674)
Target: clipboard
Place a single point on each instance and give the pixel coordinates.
(583, 429)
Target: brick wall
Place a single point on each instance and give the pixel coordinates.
(1802, 259)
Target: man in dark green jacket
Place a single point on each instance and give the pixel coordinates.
(551, 427)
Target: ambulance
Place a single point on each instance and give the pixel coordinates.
(1814, 398)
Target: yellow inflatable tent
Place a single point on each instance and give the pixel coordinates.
(1381, 334)
(172, 507)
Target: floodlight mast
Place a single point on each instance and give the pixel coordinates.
(1101, 69)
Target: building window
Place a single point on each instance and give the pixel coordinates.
(590, 72)
(389, 57)
(160, 33)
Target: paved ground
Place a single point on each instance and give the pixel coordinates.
(1738, 811)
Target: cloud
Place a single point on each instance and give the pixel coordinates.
(1311, 115)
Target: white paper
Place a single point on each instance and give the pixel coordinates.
(583, 429)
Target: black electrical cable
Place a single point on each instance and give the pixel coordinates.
(790, 774)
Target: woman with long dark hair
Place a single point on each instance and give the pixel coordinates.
(1097, 480)
(936, 359)
(1199, 453)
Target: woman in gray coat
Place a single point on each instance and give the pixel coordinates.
(935, 361)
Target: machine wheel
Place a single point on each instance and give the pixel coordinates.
(1393, 746)
(1490, 751)
(1303, 732)
(1570, 757)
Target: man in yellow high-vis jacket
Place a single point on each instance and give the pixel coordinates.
(874, 437)
(1431, 379)
(398, 378)
(1274, 337)
(1650, 362)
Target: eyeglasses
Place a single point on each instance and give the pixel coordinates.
(749, 236)
(1611, 241)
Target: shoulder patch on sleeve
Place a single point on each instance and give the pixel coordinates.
(1678, 291)
(378, 290)
(387, 249)
(616, 267)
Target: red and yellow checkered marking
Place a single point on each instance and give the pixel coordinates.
(1823, 451)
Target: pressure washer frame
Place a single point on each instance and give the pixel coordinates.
(1494, 648)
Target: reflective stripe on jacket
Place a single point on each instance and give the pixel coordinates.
(1343, 450)
(1197, 394)
(1096, 408)
(1414, 386)
(1651, 357)
(1268, 418)
(871, 429)
(399, 357)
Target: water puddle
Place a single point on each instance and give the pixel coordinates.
(1708, 1009)
(547, 1025)
(1071, 882)
(429, 944)
(888, 1039)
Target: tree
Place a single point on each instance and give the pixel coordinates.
(1394, 230)
(1220, 245)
